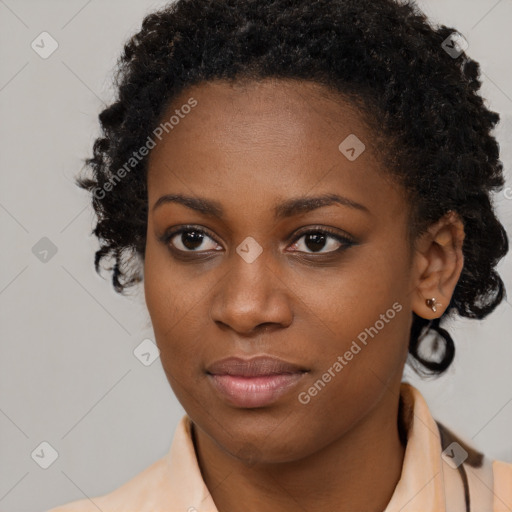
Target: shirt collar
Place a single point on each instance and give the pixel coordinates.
(420, 486)
(421, 482)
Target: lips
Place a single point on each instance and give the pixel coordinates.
(255, 367)
(254, 382)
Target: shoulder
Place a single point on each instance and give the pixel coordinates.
(174, 478)
(500, 472)
(129, 497)
(503, 472)
(502, 485)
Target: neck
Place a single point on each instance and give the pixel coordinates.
(338, 477)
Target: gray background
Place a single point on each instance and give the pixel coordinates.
(68, 374)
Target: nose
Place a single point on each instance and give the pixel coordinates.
(252, 297)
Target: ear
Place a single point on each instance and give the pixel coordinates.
(437, 261)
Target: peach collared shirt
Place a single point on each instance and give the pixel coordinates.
(430, 480)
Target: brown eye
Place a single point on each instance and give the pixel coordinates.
(317, 240)
(189, 239)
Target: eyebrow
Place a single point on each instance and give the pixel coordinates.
(288, 208)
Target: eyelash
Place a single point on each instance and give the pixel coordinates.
(345, 241)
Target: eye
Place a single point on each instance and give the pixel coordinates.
(190, 239)
(317, 239)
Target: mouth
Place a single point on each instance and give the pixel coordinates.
(255, 382)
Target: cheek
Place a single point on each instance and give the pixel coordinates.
(170, 292)
(365, 320)
(174, 310)
(357, 362)
(173, 301)
(365, 287)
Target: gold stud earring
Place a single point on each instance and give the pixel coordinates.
(432, 304)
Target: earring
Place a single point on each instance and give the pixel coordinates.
(431, 303)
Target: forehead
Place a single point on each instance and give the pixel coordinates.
(264, 137)
(270, 112)
(257, 111)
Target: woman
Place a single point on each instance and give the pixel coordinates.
(304, 190)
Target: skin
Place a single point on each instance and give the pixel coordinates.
(251, 146)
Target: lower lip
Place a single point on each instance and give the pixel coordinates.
(254, 391)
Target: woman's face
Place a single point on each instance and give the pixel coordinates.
(255, 274)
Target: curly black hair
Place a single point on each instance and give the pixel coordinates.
(384, 55)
